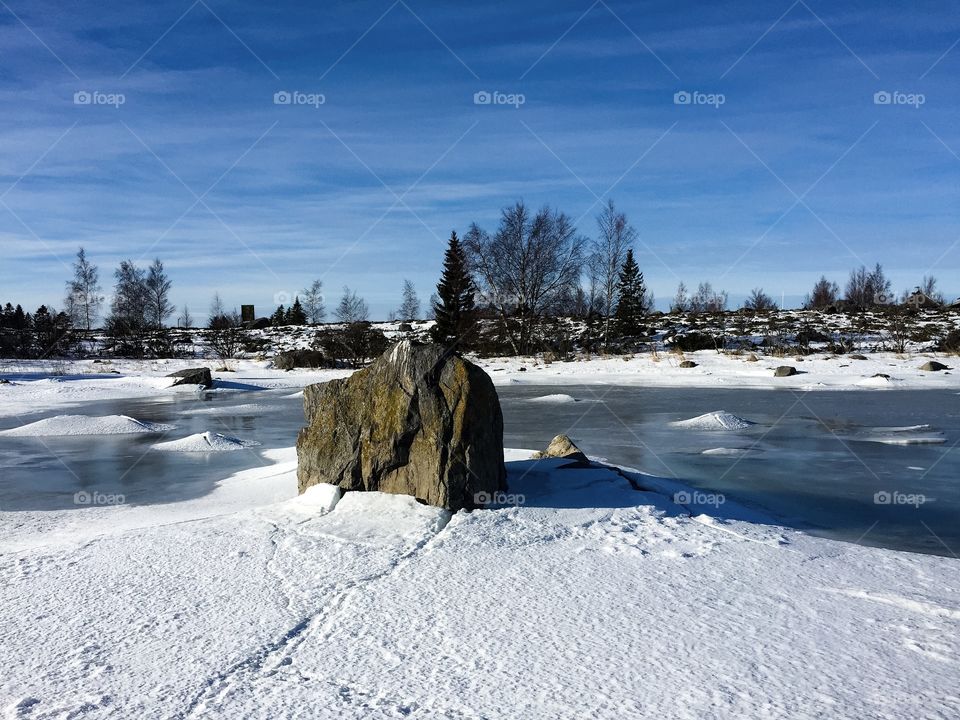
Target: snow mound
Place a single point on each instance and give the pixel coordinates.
(205, 442)
(718, 420)
(725, 451)
(556, 398)
(86, 425)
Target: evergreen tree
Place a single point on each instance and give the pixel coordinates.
(279, 317)
(296, 315)
(455, 310)
(632, 294)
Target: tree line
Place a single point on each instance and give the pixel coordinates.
(514, 281)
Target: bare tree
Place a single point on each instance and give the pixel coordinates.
(226, 336)
(127, 324)
(531, 263)
(868, 287)
(186, 319)
(681, 302)
(410, 306)
(158, 285)
(83, 293)
(352, 308)
(706, 299)
(825, 293)
(759, 301)
(609, 250)
(313, 302)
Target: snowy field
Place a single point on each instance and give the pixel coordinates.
(39, 385)
(596, 596)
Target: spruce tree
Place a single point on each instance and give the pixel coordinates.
(279, 317)
(296, 315)
(455, 311)
(632, 293)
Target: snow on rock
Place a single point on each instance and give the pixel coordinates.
(718, 420)
(86, 425)
(205, 442)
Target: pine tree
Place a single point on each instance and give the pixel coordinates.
(455, 310)
(632, 293)
(295, 315)
(279, 317)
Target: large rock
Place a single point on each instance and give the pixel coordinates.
(193, 376)
(784, 371)
(933, 366)
(418, 421)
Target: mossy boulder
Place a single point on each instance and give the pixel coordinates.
(419, 421)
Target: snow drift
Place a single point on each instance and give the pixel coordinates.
(718, 420)
(205, 442)
(86, 425)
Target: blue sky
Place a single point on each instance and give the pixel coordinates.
(798, 172)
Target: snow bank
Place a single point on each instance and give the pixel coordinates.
(86, 425)
(718, 420)
(205, 442)
(588, 599)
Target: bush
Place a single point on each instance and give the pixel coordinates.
(355, 343)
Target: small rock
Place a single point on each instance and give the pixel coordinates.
(752, 358)
(857, 356)
(561, 447)
(4, 381)
(521, 369)
(881, 375)
(688, 364)
(785, 371)
(933, 366)
(193, 376)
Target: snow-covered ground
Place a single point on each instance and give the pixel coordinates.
(585, 598)
(34, 387)
(589, 599)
